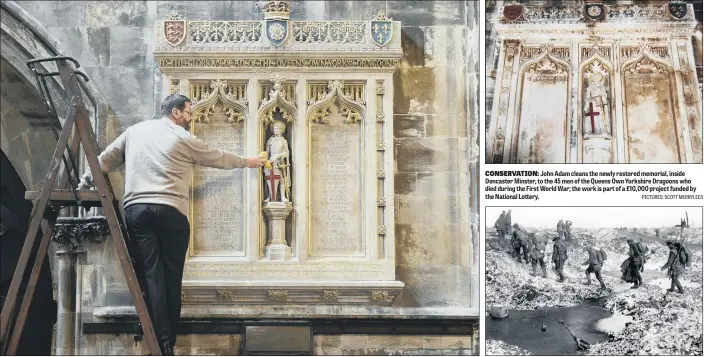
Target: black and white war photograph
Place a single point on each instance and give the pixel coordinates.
(604, 281)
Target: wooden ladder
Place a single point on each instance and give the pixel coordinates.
(49, 200)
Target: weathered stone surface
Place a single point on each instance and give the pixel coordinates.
(351, 10)
(129, 47)
(57, 12)
(428, 13)
(421, 281)
(446, 125)
(409, 126)
(426, 154)
(413, 248)
(91, 45)
(130, 89)
(214, 10)
(116, 13)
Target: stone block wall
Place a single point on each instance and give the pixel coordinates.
(435, 114)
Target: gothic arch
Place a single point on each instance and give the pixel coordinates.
(560, 64)
(353, 110)
(235, 109)
(277, 99)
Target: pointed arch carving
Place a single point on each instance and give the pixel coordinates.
(646, 62)
(352, 110)
(277, 100)
(236, 109)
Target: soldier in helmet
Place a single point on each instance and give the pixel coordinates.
(561, 229)
(500, 225)
(520, 242)
(559, 256)
(636, 253)
(537, 254)
(508, 222)
(568, 230)
(595, 262)
(674, 266)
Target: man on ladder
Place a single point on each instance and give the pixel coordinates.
(159, 156)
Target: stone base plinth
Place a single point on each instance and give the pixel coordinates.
(277, 252)
(276, 248)
(597, 150)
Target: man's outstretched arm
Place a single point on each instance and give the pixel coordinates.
(110, 160)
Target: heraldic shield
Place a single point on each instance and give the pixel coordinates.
(678, 10)
(382, 32)
(174, 30)
(277, 31)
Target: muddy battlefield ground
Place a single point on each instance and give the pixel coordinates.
(617, 321)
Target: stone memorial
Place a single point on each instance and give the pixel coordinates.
(589, 82)
(311, 227)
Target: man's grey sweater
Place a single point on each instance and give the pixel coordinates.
(159, 157)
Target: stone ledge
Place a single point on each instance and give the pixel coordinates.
(212, 293)
(303, 312)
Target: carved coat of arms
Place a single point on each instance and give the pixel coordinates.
(594, 12)
(512, 12)
(174, 30)
(382, 30)
(277, 31)
(678, 10)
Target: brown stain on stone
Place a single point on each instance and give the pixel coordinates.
(663, 126)
(696, 137)
(410, 247)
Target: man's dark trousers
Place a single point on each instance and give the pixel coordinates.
(159, 235)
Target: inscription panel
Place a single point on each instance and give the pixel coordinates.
(336, 187)
(649, 115)
(218, 196)
(542, 124)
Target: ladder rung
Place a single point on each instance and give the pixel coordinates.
(68, 198)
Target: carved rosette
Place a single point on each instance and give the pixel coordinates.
(381, 297)
(175, 86)
(380, 89)
(223, 296)
(277, 295)
(277, 102)
(381, 230)
(204, 108)
(380, 174)
(352, 110)
(331, 295)
(381, 202)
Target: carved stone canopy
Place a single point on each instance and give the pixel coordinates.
(277, 102)
(234, 108)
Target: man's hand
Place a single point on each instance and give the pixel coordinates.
(256, 161)
(86, 181)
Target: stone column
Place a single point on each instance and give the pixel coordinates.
(277, 248)
(71, 234)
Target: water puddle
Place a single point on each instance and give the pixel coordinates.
(614, 324)
(523, 328)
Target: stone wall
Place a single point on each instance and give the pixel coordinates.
(323, 345)
(435, 98)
